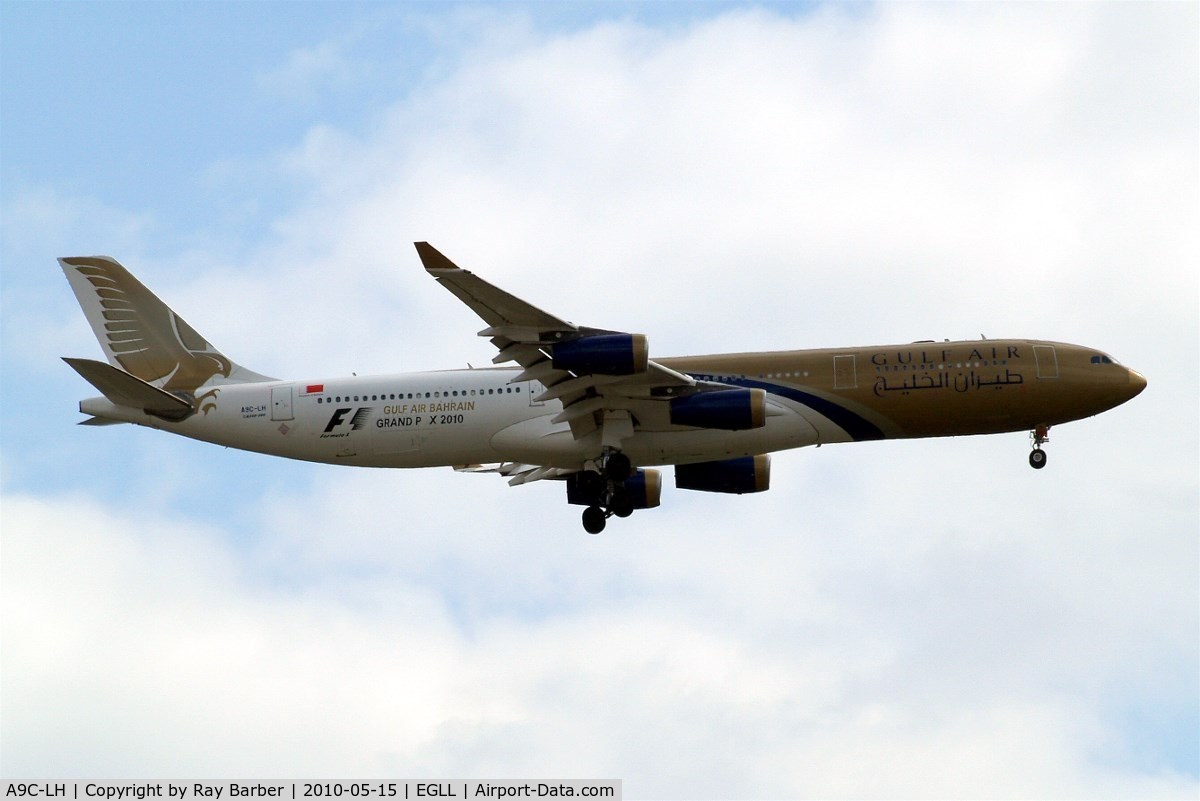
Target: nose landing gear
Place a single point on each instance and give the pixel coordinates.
(1037, 457)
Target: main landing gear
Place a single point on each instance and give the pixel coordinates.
(594, 519)
(1037, 457)
(607, 489)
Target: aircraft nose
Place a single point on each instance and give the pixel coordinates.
(1137, 382)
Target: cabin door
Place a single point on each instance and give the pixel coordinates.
(1047, 361)
(844, 373)
(536, 388)
(281, 403)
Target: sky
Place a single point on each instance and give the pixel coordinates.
(923, 618)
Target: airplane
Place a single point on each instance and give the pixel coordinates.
(584, 406)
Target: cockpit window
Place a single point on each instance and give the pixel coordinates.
(1100, 358)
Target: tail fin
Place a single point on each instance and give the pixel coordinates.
(141, 335)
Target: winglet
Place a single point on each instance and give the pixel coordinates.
(506, 315)
(433, 259)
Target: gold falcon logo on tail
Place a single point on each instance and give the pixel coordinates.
(142, 335)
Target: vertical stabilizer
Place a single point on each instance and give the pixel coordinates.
(141, 335)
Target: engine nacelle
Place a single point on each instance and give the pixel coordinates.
(602, 354)
(726, 409)
(587, 488)
(738, 476)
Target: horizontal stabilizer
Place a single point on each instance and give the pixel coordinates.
(100, 421)
(124, 389)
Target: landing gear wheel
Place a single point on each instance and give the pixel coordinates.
(618, 467)
(594, 520)
(621, 504)
(1037, 458)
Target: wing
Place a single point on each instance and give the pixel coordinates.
(604, 379)
(517, 473)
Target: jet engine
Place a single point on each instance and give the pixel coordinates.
(602, 354)
(643, 488)
(726, 409)
(737, 476)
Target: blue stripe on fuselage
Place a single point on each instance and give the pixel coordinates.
(859, 428)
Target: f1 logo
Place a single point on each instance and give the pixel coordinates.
(336, 420)
(359, 419)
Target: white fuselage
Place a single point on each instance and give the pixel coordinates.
(453, 417)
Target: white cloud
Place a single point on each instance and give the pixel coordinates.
(894, 619)
(749, 150)
(309, 71)
(688, 660)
